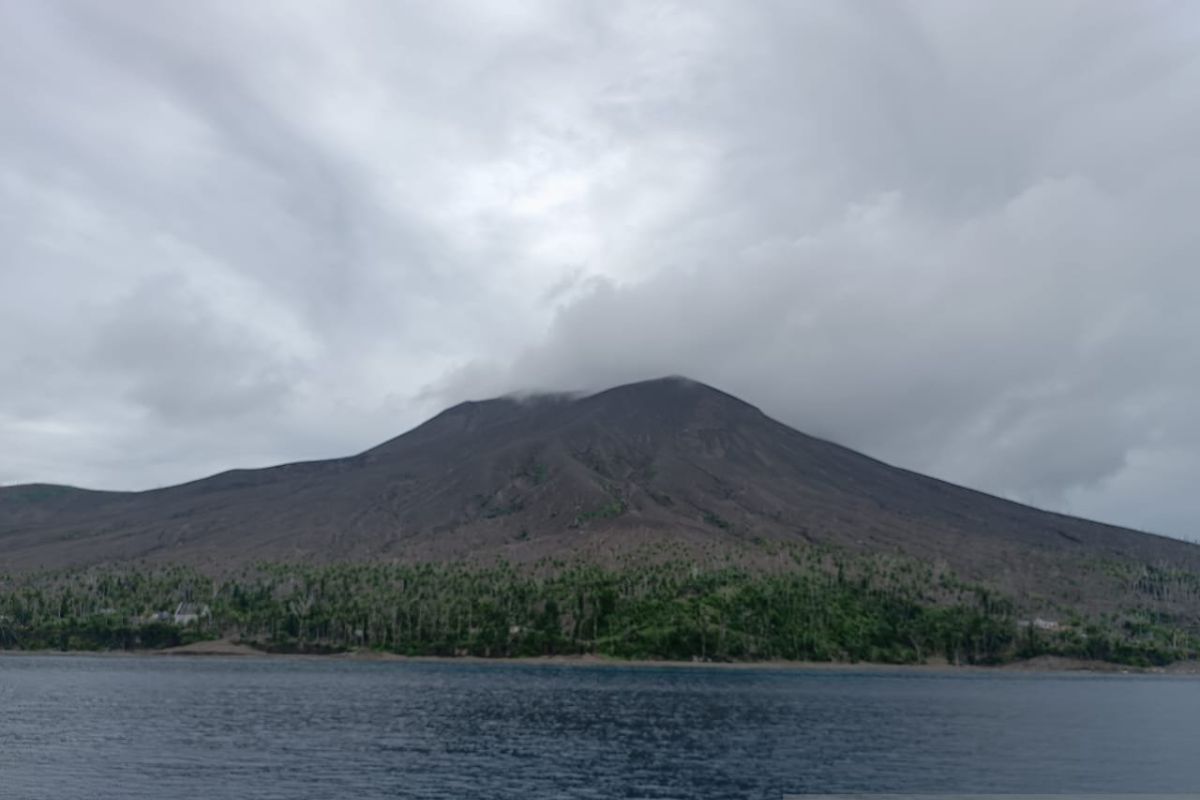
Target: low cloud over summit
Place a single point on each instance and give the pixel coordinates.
(957, 237)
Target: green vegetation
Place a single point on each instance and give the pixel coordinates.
(717, 521)
(614, 508)
(820, 607)
(36, 493)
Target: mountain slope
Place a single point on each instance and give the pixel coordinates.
(668, 463)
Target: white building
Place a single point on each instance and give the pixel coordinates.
(190, 613)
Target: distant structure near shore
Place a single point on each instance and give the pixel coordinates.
(190, 613)
(1037, 623)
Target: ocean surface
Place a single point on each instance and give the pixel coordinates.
(226, 728)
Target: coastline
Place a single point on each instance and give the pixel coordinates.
(1056, 665)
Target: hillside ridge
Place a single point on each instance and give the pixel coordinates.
(669, 464)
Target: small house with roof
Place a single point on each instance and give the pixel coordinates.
(190, 613)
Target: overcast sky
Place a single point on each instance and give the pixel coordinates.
(959, 236)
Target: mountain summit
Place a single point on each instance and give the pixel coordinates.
(668, 464)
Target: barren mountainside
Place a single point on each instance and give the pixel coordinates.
(664, 465)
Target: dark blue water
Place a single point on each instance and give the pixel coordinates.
(79, 727)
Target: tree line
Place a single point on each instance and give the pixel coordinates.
(820, 608)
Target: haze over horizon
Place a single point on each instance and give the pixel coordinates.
(241, 236)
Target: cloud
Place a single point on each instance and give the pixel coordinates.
(957, 237)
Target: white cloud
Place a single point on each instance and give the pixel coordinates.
(957, 236)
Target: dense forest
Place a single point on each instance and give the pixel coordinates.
(823, 607)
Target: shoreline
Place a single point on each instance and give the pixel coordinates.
(1053, 665)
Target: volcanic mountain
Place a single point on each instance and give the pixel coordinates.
(664, 465)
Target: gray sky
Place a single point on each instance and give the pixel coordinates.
(960, 237)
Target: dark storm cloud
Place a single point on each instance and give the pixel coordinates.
(957, 236)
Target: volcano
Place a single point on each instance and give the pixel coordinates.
(667, 466)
